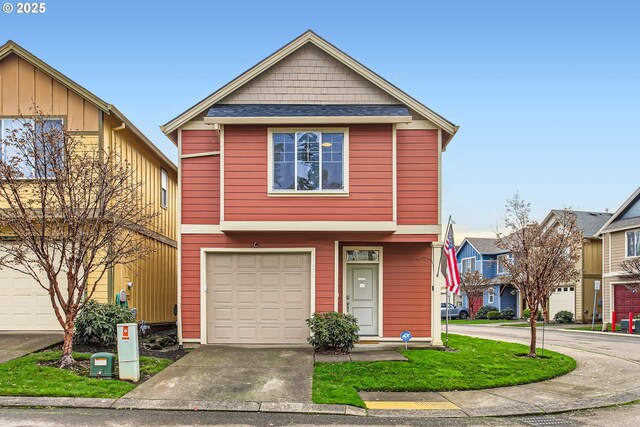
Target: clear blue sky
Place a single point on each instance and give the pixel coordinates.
(547, 93)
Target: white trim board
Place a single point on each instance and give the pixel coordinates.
(203, 277)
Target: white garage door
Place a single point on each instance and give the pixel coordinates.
(260, 298)
(24, 305)
(563, 298)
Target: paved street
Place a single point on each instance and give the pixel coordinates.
(624, 416)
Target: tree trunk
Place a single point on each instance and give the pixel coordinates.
(66, 359)
(532, 324)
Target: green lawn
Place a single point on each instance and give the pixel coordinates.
(26, 377)
(477, 364)
(478, 321)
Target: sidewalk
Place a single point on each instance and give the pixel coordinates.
(599, 380)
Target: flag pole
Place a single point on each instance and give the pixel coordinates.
(446, 319)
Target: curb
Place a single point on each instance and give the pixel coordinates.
(313, 408)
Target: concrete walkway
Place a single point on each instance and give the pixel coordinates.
(234, 374)
(16, 344)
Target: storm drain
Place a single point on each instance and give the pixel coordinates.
(547, 420)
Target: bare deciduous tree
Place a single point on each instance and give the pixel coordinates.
(72, 210)
(474, 284)
(631, 271)
(543, 258)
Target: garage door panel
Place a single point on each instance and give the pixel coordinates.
(24, 304)
(264, 299)
(625, 301)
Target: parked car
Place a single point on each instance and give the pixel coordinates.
(454, 312)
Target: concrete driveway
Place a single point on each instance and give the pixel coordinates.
(16, 344)
(234, 374)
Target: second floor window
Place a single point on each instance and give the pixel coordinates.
(502, 259)
(633, 243)
(308, 161)
(164, 185)
(468, 265)
(35, 156)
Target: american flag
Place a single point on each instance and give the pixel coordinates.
(452, 275)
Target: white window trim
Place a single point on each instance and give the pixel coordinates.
(315, 193)
(163, 189)
(2, 129)
(626, 242)
(491, 297)
(498, 272)
(472, 263)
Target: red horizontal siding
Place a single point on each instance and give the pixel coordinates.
(406, 271)
(200, 193)
(407, 289)
(417, 176)
(370, 182)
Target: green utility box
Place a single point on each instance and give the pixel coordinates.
(103, 365)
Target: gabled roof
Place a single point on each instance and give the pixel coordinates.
(484, 245)
(11, 47)
(588, 222)
(309, 37)
(614, 224)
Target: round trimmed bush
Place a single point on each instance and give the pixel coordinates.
(96, 323)
(563, 316)
(333, 332)
(494, 315)
(482, 312)
(508, 313)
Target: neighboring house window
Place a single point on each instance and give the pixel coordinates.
(41, 162)
(164, 192)
(490, 296)
(502, 259)
(308, 161)
(468, 265)
(633, 243)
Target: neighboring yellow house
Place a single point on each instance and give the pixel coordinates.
(151, 284)
(578, 296)
(620, 241)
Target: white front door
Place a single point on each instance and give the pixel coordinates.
(362, 296)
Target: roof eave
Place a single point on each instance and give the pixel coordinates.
(310, 37)
(307, 120)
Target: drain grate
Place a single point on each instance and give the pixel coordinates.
(547, 420)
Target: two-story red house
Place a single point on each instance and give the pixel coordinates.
(308, 184)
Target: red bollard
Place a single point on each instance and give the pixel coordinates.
(630, 322)
(613, 321)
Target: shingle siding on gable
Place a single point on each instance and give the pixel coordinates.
(307, 76)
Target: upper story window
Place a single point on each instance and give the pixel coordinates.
(468, 265)
(502, 259)
(34, 158)
(308, 161)
(164, 185)
(633, 243)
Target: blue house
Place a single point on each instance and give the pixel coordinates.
(483, 255)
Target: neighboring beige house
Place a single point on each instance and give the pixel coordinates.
(620, 240)
(577, 297)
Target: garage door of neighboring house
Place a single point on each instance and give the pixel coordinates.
(24, 305)
(258, 298)
(625, 301)
(563, 298)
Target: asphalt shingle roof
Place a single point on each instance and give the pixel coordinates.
(589, 222)
(622, 224)
(485, 245)
(295, 110)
